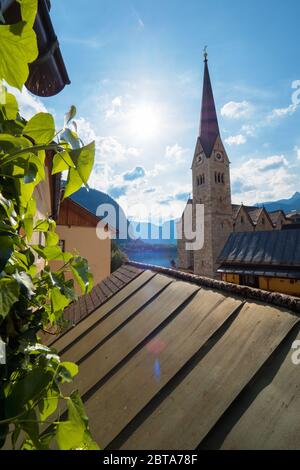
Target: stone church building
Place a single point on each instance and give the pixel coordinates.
(211, 187)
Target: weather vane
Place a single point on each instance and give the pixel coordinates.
(205, 53)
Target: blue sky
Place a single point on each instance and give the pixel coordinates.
(136, 71)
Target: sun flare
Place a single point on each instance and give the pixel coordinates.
(144, 122)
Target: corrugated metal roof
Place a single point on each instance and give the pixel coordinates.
(163, 362)
(270, 248)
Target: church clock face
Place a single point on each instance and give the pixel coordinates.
(200, 158)
(219, 157)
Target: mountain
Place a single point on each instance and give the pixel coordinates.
(287, 205)
(146, 231)
(93, 198)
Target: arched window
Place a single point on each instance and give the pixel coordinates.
(219, 178)
(216, 177)
(198, 180)
(263, 220)
(242, 219)
(223, 178)
(203, 178)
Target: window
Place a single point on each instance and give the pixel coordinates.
(219, 178)
(216, 178)
(263, 220)
(223, 178)
(203, 178)
(61, 244)
(242, 219)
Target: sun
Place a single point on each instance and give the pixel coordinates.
(144, 121)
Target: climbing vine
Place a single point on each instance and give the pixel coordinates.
(34, 412)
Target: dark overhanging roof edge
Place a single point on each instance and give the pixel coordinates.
(247, 293)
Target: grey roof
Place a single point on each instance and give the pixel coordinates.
(267, 248)
(174, 361)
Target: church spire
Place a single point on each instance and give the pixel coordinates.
(209, 128)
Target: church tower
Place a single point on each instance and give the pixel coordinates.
(211, 187)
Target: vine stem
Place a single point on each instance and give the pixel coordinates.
(34, 148)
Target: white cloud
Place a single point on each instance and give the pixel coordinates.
(261, 180)
(236, 140)
(282, 112)
(90, 42)
(176, 153)
(115, 107)
(249, 129)
(236, 110)
(28, 104)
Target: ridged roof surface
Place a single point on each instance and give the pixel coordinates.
(174, 361)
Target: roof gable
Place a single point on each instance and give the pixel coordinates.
(71, 213)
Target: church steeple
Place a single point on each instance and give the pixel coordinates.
(209, 127)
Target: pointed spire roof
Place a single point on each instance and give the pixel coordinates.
(209, 127)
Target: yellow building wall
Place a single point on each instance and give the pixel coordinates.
(285, 286)
(271, 284)
(84, 242)
(232, 278)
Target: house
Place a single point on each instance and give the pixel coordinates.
(294, 217)
(78, 231)
(269, 261)
(212, 189)
(170, 360)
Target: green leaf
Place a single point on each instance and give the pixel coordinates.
(10, 107)
(40, 128)
(82, 275)
(25, 282)
(30, 426)
(61, 162)
(52, 253)
(28, 10)
(48, 405)
(28, 227)
(9, 295)
(41, 226)
(30, 387)
(51, 238)
(74, 433)
(70, 114)
(83, 159)
(30, 173)
(68, 370)
(71, 138)
(18, 47)
(11, 143)
(74, 182)
(58, 301)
